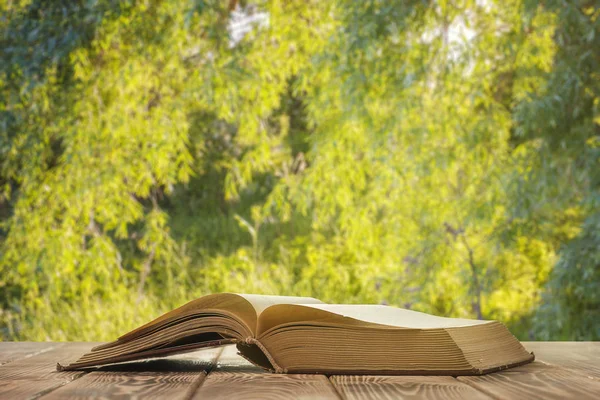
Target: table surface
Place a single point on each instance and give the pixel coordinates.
(28, 370)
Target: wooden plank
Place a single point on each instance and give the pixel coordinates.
(237, 378)
(249, 385)
(581, 356)
(173, 377)
(11, 351)
(404, 387)
(536, 381)
(566, 370)
(33, 376)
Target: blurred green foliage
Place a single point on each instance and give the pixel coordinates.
(436, 155)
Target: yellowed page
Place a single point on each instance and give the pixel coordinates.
(393, 316)
(262, 302)
(246, 307)
(356, 315)
(233, 303)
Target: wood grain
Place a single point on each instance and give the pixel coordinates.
(11, 351)
(566, 370)
(248, 386)
(581, 356)
(536, 381)
(236, 378)
(33, 376)
(130, 385)
(175, 377)
(403, 387)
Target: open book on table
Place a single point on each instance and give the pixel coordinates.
(304, 335)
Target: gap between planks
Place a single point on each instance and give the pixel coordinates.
(236, 378)
(29, 372)
(203, 376)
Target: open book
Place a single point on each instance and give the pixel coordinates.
(304, 335)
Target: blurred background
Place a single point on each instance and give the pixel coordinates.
(437, 155)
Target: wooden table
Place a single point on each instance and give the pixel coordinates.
(562, 370)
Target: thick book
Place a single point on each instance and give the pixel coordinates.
(304, 335)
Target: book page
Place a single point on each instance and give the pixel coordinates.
(246, 307)
(356, 315)
(262, 302)
(393, 316)
(229, 302)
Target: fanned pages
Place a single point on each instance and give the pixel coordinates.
(303, 335)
